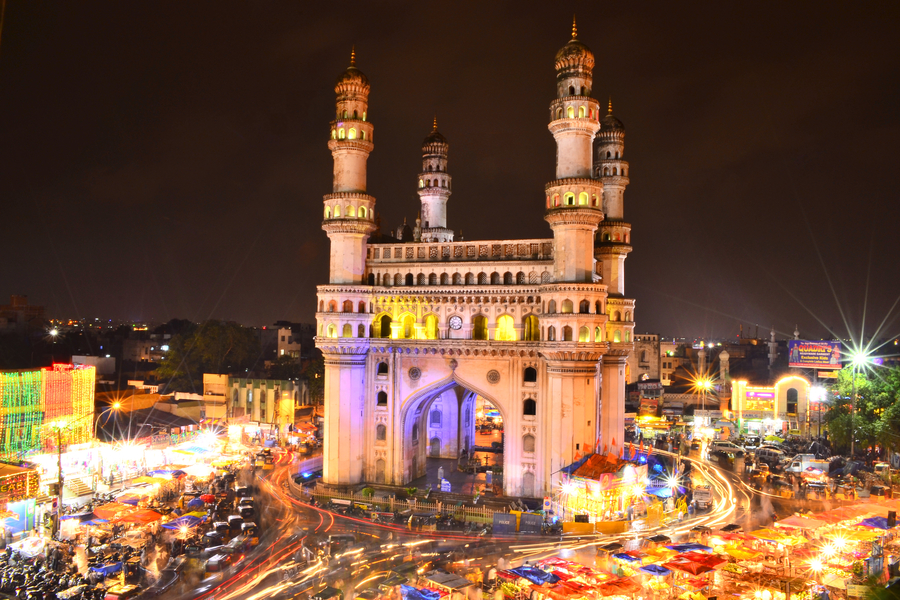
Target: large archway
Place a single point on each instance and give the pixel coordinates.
(451, 431)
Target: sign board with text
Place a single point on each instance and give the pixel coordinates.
(810, 354)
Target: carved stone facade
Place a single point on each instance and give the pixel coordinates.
(413, 331)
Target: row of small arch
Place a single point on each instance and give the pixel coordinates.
(381, 436)
(345, 115)
(550, 307)
(615, 171)
(349, 134)
(349, 211)
(481, 278)
(427, 183)
(582, 112)
(568, 199)
(529, 375)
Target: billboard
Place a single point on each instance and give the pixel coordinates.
(808, 354)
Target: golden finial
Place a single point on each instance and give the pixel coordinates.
(574, 28)
(609, 110)
(353, 56)
(435, 122)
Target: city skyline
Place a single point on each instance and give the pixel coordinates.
(170, 163)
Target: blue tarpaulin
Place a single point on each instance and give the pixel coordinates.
(412, 593)
(185, 521)
(108, 569)
(663, 492)
(176, 473)
(876, 522)
(626, 557)
(654, 570)
(96, 522)
(688, 547)
(196, 503)
(535, 576)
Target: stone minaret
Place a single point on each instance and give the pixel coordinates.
(573, 198)
(349, 211)
(434, 188)
(614, 235)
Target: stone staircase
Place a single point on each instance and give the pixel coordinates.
(76, 487)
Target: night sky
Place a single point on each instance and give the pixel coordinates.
(168, 159)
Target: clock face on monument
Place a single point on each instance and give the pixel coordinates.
(455, 322)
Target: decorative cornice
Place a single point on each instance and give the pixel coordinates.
(571, 182)
(358, 145)
(349, 196)
(574, 215)
(612, 249)
(564, 125)
(348, 225)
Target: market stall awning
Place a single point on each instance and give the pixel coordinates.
(707, 560)
(687, 566)
(740, 553)
(659, 539)
(142, 515)
(626, 557)
(800, 523)
(185, 521)
(447, 580)
(657, 570)
(624, 586)
(536, 576)
(409, 592)
(875, 523)
(688, 547)
(150, 480)
(113, 510)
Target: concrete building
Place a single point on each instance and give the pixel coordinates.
(644, 362)
(266, 403)
(20, 316)
(414, 332)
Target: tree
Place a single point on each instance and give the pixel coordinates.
(284, 367)
(877, 415)
(213, 347)
(314, 375)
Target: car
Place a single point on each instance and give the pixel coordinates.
(770, 456)
(722, 447)
(751, 442)
(703, 496)
(122, 592)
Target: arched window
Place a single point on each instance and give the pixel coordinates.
(360, 331)
(520, 278)
(530, 375)
(479, 327)
(617, 316)
(321, 306)
(598, 307)
(431, 327)
(551, 306)
(584, 334)
(327, 212)
(432, 279)
(482, 278)
(409, 279)
(583, 199)
(362, 306)
(551, 333)
(571, 90)
(398, 279)
(595, 202)
(337, 210)
(555, 199)
(570, 199)
(385, 326)
(627, 336)
(364, 115)
(382, 368)
(409, 327)
(507, 278)
(351, 134)
(617, 335)
(362, 134)
(470, 279)
(332, 330)
(420, 279)
(435, 417)
(559, 113)
(570, 112)
(445, 279)
(643, 356)
(598, 334)
(381, 398)
(457, 279)
(531, 330)
(567, 307)
(362, 212)
(495, 278)
(529, 407)
(347, 331)
(333, 134)
(332, 306)
(380, 432)
(627, 315)
(580, 112)
(347, 307)
(421, 183)
(341, 134)
(415, 432)
(567, 334)
(506, 331)
(371, 279)
(792, 396)
(528, 443)
(344, 114)
(584, 307)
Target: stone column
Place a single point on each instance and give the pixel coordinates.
(345, 392)
(612, 400)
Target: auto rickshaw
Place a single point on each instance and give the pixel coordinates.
(249, 529)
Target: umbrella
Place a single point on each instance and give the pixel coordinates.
(688, 547)
(535, 576)
(208, 498)
(196, 503)
(874, 522)
(688, 566)
(113, 510)
(145, 479)
(707, 560)
(619, 587)
(657, 570)
(140, 516)
(626, 557)
(659, 539)
(696, 582)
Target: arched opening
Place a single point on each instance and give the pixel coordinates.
(583, 199)
(434, 447)
(332, 330)
(361, 307)
(347, 306)
(470, 279)
(598, 334)
(529, 407)
(584, 334)
(371, 278)
(495, 278)
(584, 307)
(567, 334)
(380, 433)
(617, 335)
(506, 329)
(382, 369)
(360, 331)
(398, 279)
(580, 112)
(567, 307)
(327, 212)
(598, 307)
(362, 212)
(337, 210)
(570, 112)
(409, 279)
(457, 279)
(408, 331)
(531, 330)
(445, 279)
(384, 326)
(431, 327)
(379, 471)
(420, 279)
(479, 327)
(551, 306)
(507, 278)
(347, 331)
(551, 333)
(530, 375)
(351, 135)
(520, 278)
(321, 306)
(792, 396)
(332, 306)
(381, 398)
(482, 278)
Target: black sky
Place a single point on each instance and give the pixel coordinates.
(168, 159)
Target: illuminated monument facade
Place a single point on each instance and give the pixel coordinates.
(413, 331)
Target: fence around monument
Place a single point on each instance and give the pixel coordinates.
(470, 514)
